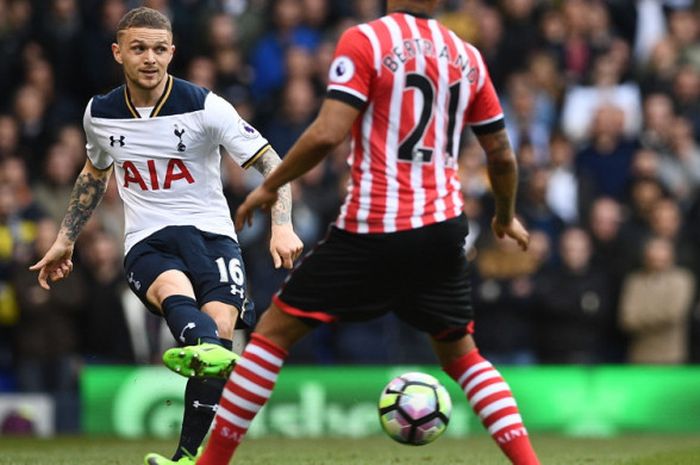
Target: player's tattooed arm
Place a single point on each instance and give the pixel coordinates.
(87, 193)
(281, 210)
(503, 173)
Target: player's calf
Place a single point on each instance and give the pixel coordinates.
(491, 399)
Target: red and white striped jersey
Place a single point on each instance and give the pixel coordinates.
(417, 85)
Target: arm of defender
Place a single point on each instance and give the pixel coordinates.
(285, 245)
(330, 128)
(503, 174)
(87, 193)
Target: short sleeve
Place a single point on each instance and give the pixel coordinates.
(485, 109)
(241, 140)
(100, 159)
(352, 70)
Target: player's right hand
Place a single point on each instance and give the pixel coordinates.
(515, 230)
(261, 197)
(55, 265)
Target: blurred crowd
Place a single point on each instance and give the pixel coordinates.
(602, 104)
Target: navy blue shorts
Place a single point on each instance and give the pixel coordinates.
(212, 262)
(421, 275)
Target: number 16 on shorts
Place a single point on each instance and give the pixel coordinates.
(232, 273)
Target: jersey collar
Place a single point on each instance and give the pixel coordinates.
(157, 107)
(413, 13)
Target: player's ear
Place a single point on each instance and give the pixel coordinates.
(117, 54)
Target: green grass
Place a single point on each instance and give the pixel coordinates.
(553, 450)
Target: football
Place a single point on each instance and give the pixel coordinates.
(414, 409)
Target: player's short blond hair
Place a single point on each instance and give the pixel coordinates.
(144, 17)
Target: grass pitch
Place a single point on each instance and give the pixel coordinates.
(553, 450)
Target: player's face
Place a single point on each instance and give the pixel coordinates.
(145, 55)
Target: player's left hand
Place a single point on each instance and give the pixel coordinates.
(261, 197)
(285, 245)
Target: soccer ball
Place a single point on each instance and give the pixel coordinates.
(414, 409)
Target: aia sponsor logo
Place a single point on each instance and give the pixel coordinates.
(176, 170)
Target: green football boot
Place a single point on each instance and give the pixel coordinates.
(157, 459)
(203, 360)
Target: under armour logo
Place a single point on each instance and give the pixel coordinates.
(212, 407)
(113, 140)
(179, 132)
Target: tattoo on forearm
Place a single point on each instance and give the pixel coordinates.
(503, 171)
(281, 211)
(86, 195)
(498, 150)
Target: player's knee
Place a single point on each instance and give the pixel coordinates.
(281, 328)
(225, 320)
(224, 326)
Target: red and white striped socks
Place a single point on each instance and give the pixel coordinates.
(247, 390)
(491, 399)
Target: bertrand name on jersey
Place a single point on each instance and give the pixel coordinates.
(419, 46)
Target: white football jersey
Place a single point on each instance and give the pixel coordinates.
(167, 164)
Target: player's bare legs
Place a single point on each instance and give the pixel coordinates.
(489, 396)
(449, 352)
(171, 282)
(281, 329)
(225, 317)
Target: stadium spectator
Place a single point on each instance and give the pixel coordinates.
(686, 96)
(13, 172)
(680, 167)
(535, 209)
(104, 330)
(54, 188)
(658, 121)
(267, 57)
(603, 166)
(573, 304)
(562, 186)
(611, 252)
(47, 332)
(298, 107)
(655, 307)
(30, 107)
(644, 193)
(666, 222)
(658, 74)
(9, 136)
(60, 35)
(582, 103)
(529, 116)
(503, 285)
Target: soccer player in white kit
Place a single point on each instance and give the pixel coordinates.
(161, 136)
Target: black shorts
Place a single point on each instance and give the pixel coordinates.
(421, 275)
(212, 262)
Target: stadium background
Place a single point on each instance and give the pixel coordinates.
(602, 105)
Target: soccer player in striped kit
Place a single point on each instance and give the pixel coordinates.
(404, 87)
